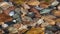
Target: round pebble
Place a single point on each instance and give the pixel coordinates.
(11, 13)
(4, 25)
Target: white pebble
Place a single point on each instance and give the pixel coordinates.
(40, 21)
(55, 3)
(4, 25)
(11, 13)
(14, 20)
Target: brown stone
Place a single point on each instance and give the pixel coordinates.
(5, 18)
(37, 14)
(44, 4)
(56, 13)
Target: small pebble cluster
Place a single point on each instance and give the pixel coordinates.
(29, 16)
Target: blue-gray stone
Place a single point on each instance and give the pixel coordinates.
(45, 11)
(30, 14)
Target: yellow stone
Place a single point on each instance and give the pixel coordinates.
(35, 31)
(34, 3)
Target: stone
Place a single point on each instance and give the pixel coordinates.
(26, 18)
(11, 13)
(49, 32)
(40, 21)
(5, 5)
(38, 8)
(16, 16)
(31, 14)
(12, 30)
(33, 3)
(45, 11)
(18, 20)
(5, 18)
(55, 3)
(44, 4)
(17, 10)
(4, 25)
(56, 13)
(58, 7)
(26, 6)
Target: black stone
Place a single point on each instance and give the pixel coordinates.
(5, 31)
(53, 28)
(0, 27)
(29, 27)
(10, 23)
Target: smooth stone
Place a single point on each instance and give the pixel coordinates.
(55, 3)
(38, 8)
(30, 14)
(11, 13)
(4, 25)
(16, 16)
(45, 11)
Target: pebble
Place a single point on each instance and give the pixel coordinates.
(11, 13)
(45, 11)
(12, 30)
(56, 13)
(17, 10)
(16, 15)
(4, 25)
(31, 14)
(33, 3)
(38, 8)
(5, 5)
(58, 24)
(40, 21)
(10, 23)
(44, 4)
(55, 3)
(49, 32)
(18, 20)
(58, 7)
(14, 20)
(26, 6)
(26, 18)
